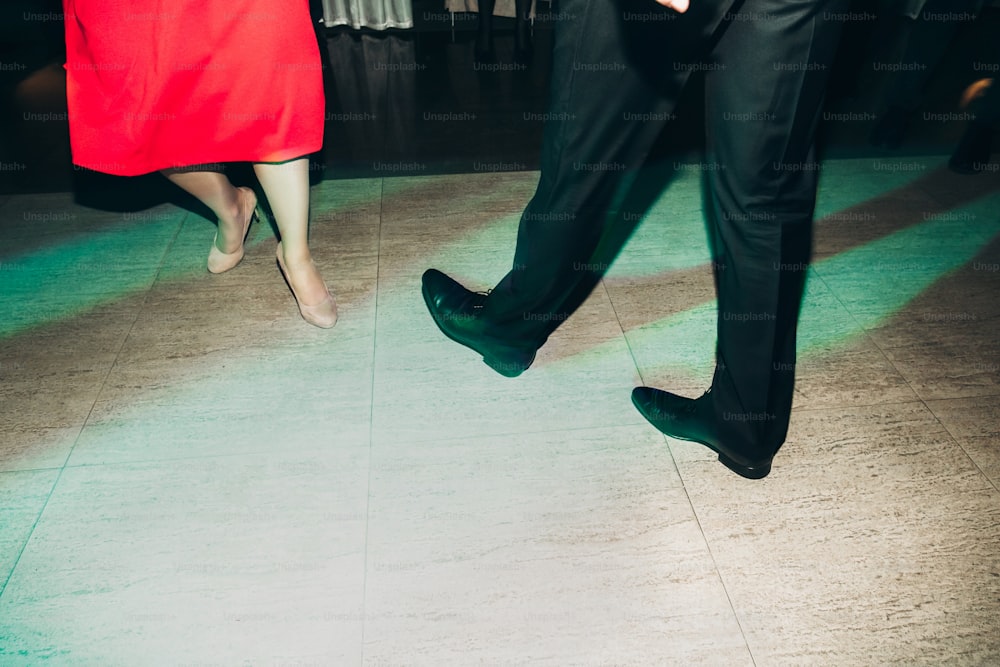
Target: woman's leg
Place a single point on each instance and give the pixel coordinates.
(215, 191)
(286, 185)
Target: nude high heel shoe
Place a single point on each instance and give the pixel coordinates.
(323, 314)
(220, 262)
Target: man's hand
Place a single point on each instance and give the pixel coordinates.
(679, 6)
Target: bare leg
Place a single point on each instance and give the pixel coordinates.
(286, 185)
(215, 191)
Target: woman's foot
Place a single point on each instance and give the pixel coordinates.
(227, 247)
(313, 297)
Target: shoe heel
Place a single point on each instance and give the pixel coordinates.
(757, 471)
(323, 314)
(220, 262)
(511, 369)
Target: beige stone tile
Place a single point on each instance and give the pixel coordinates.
(34, 221)
(36, 448)
(973, 422)
(570, 547)
(49, 398)
(198, 320)
(873, 539)
(944, 343)
(345, 200)
(673, 346)
(347, 246)
(642, 302)
(958, 191)
(476, 249)
(172, 421)
(428, 387)
(837, 362)
(195, 380)
(86, 340)
(454, 196)
(857, 183)
(220, 508)
(670, 237)
(264, 406)
(101, 252)
(927, 270)
(950, 321)
(23, 495)
(50, 377)
(852, 373)
(941, 369)
(248, 559)
(671, 327)
(89, 269)
(840, 230)
(87, 332)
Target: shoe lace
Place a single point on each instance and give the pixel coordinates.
(481, 302)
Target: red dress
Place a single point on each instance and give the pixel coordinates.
(153, 84)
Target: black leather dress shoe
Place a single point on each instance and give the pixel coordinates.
(689, 419)
(458, 314)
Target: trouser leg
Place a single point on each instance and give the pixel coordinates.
(618, 68)
(763, 105)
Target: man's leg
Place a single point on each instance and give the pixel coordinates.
(618, 69)
(763, 103)
(762, 112)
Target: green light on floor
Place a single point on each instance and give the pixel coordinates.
(871, 284)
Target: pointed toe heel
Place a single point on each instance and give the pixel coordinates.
(220, 262)
(322, 314)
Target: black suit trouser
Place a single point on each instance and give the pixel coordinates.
(618, 70)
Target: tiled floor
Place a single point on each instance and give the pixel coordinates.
(190, 474)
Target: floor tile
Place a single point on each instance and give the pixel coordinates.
(40, 448)
(973, 422)
(527, 548)
(237, 486)
(192, 385)
(879, 528)
(23, 495)
(427, 387)
(452, 197)
(257, 558)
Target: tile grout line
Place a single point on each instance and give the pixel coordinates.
(371, 420)
(921, 400)
(69, 454)
(694, 513)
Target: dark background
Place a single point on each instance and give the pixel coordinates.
(378, 115)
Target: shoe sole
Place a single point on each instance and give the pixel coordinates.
(757, 471)
(504, 368)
